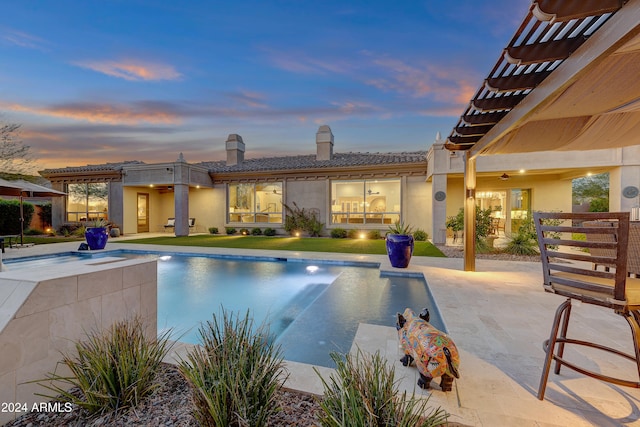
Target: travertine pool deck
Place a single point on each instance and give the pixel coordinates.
(498, 317)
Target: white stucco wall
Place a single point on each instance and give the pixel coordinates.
(417, 206)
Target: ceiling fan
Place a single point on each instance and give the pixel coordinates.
(370, 192)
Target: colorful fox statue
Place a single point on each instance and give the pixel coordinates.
(433, 351)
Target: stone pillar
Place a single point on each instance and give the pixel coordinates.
(235, 150)
(116, 204)
(58, 207)
(439, 203)
(181, 196)
(324, 143)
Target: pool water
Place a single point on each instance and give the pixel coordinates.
(312, 308)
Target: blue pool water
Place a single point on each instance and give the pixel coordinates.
(312, 308)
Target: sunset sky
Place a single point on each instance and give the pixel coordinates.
(106, 81)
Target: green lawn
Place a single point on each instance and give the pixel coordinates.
(310, 244)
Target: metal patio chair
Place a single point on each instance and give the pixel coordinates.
(568, 273)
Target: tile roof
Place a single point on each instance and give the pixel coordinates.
(276, 163)
(93, 168)
(309, 161)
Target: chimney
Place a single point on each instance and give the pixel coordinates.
(235, 149)
(324, 143)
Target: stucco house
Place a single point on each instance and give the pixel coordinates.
(362, 191)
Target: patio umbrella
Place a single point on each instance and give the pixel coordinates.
(24, 189)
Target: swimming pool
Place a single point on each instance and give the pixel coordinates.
(312, 307)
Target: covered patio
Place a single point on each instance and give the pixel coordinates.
(567, 81)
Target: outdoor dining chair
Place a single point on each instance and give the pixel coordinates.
(567, 270)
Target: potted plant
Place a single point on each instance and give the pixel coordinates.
(96, 234)
(399, 242)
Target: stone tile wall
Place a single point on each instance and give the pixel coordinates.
(44, 311)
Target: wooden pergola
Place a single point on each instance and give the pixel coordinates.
(568, 80)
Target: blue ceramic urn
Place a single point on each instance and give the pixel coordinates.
(96, 237)
(399, 249)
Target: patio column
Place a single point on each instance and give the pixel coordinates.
(469, 212)
(58, 207)
(116, 203)
(181, 196)
(439, 203)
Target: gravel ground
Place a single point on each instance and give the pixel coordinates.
(456, 252)
(171, 405)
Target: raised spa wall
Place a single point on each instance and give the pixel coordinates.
(45, 310)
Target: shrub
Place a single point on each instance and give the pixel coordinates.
(374, 234)
(114, 369)
(235, 374)
(256, 231)
(338, 233)
(483, 222)
(10, 215)
(269, 231)
(213, 230)
(300, 219)
(363, 392)
(231, 230)
(353, 234)
(34, 232)
(420, 235)
(45, 214)
(244, 231)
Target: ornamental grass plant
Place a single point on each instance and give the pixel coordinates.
(235, 374)
(113, 370)
(363, 392)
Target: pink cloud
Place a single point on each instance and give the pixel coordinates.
(102, 113)
(134, 70)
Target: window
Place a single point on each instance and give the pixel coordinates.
(255, 202)
(375, 201)
(87, 202)
(520, 207)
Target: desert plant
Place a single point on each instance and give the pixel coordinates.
(420, 235)
(398, 227)
(521, 244)
(114, 369)
(235, 374)
(231, 230)
(256, 231)
(269, 231)
(363, 392)
(80, 231)
(213, 230)
(300, 219)
(338, 233)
